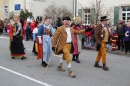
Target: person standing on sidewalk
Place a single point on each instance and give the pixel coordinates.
(102, 35)
(126, 32)
(119, 30)
(1, 26)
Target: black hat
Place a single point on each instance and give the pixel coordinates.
(66, 18)
(104, 18)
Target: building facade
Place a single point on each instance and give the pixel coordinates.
(121, 10)
(37, 7)
(4, 8)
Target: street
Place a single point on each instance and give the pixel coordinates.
(29, 72)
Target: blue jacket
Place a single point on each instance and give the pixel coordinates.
(41, 30)
(28, 30)
(126, 32)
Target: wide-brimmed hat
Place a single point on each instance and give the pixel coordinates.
(104, 18)
(66, 18)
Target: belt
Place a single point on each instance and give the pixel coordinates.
(69, 43)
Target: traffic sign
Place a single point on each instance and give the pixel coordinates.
(17, 7)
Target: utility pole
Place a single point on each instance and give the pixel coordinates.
(4, 9)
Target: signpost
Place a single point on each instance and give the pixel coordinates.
(17, 7)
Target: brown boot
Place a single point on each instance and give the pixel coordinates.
(72, 75)
(60, 69)
(105, 67)
(97, 65)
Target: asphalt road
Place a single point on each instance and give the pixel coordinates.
(29, 72)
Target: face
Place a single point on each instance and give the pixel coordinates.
(47, 21)
(66, 23)
(16, 20)
(105, 22)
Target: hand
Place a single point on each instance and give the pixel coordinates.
(98, 46)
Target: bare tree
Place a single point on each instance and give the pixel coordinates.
(99, 10)
(53, 11)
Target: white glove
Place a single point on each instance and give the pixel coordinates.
(39, 39)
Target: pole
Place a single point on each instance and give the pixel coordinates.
(4, 9)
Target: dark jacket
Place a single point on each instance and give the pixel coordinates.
(126, 32)
(1, 24)
(119, 29)
(98, 33)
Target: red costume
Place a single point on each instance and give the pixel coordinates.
(114, 42)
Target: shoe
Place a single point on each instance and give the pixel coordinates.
(72, 75)
(77, 61)
(61, 69)
(13, 57)
(44, 64)
(73, 59)
(97, 65)
(105, 67)
(23, 58)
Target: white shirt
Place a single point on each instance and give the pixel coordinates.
(69, 39)
(35, 30)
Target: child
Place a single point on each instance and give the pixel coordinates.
(114, 42)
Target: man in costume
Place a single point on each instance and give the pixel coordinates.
(45, 32)
(63, 43)
(101, 35)
(16, 36)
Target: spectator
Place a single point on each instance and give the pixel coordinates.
(126, 32)
(27, 32)
(59, 23)
(119, 29)
(1, 26)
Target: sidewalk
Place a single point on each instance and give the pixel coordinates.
(117, 52)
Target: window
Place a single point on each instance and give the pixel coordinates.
(126, 13)
(87, 16)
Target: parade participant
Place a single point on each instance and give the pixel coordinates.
(35, 31)
(101, 35)
(63, 43)
(16, 44)
(45, 31)
(77, 40)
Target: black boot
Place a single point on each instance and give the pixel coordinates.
(23, 58)
(105, 67)
(77, 58)
(44, 64)
(73, 59)
(97, 65)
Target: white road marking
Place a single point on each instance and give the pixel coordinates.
(24, 76)
(4, 37)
